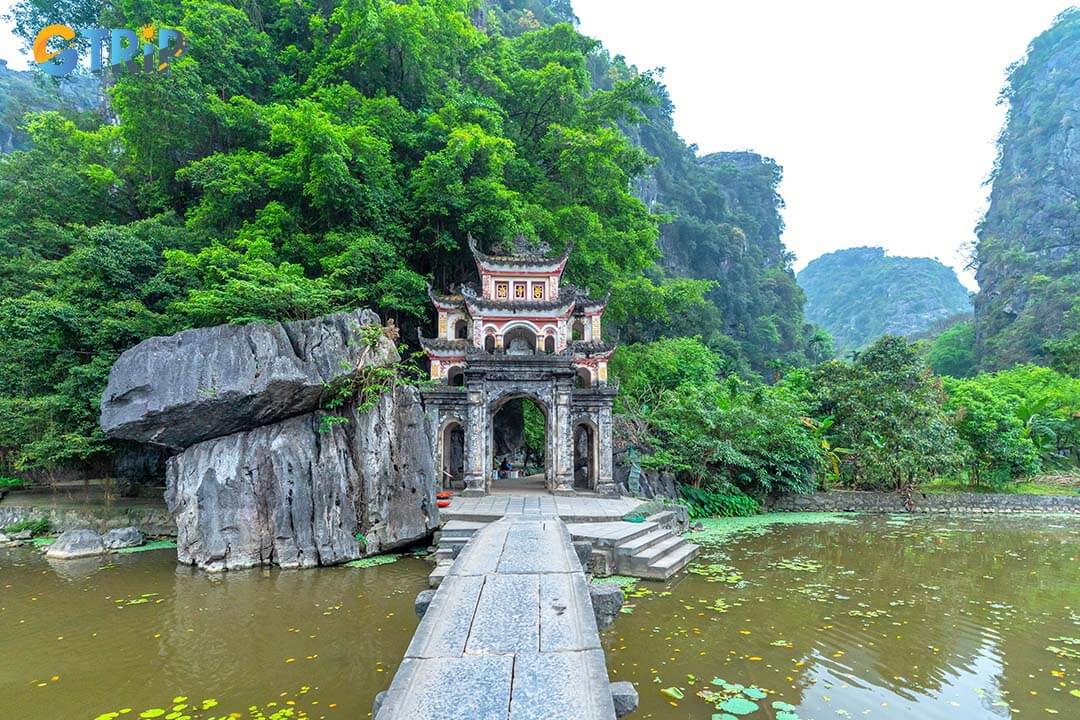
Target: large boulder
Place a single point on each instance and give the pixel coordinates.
(126, 537)
(299, 492)
(76, 544)
(205, 383)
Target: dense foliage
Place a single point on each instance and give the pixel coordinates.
(953, 351)
(860, 294)
(299, 159)
(307, 157)
(1028, 252)
(886, 410)
(726, 434)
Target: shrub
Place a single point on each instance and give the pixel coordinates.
(994, 444)
(36, 526)
(12, 483)
(703, 503)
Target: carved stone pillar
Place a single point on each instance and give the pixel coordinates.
(477, 455)
(605, 480)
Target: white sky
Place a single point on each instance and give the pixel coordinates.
(883, 115)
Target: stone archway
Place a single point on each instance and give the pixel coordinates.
(520, 442)
(452, 454)
(586, 455)
(520, 340)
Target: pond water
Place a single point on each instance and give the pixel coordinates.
(80, 639)
(966, 618)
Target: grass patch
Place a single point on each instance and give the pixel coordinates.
(624, 581)
(373, 561)
(36, 526)
(152, 545)
(12, 483)
(954, 485)
(717, 530)
(42, 541)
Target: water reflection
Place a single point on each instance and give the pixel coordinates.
(883, 617)
(138, 631)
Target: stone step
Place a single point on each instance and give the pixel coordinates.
(652, 553)
(609, 535)
(459, 529)
(664, 518)
(635, 545)
(442, 569)
(638, 564)
(671, 563)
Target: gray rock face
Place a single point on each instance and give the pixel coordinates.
(296, 493)
(607, 599)
(199, 384)
(625, 697)
(123, 538)
(423, 602)
(76, 544)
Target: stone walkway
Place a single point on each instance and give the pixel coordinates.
(510, 633)
(569, 508)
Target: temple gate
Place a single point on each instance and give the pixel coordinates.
(521, 334)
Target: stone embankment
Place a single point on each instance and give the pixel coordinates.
(263, 473)
(890, 502)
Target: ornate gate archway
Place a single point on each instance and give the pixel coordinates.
(530, 338)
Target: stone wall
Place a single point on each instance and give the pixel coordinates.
(153, 520)
(890, 502)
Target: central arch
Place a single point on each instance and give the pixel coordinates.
(519, 432)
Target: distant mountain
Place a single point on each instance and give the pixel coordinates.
(860, 294)
(23, 91)
(1027, 256)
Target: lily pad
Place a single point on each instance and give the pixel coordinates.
(738, 706)
(754, 692)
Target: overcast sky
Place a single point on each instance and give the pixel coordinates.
(883, 114)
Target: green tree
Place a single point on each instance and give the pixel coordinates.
(888, 412)
(994, 442)
(953, 351)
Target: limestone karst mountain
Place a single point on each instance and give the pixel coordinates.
(860, 294)
(1027, 257)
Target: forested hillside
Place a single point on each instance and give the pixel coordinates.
(313, 156)
(310, 157)
(1027, 257)
(860, 294)
(721, 224)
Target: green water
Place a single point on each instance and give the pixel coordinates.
(79, 639)
(871, 618)
(962, 618)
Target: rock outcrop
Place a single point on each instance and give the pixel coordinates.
(76, 544)
(120, 538)
(303, 492)
(265, 474)
(199, 384)
(1027, 257)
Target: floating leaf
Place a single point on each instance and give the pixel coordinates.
(672, 692)
(754, 693)
(738, 706)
